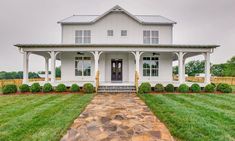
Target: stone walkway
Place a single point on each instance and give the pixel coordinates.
(117, 117)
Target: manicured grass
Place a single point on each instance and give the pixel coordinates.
(39, 117)
(233, 87)
(196, 117)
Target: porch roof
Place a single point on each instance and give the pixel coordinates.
(115, 45)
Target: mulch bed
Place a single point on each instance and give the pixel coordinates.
(42, 93)
(190, 93)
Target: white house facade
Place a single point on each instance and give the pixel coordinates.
(116, 48)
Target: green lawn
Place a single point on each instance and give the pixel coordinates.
(196, 117)
(39, 117)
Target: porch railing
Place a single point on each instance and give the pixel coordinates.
(97, 79)
(136, 81)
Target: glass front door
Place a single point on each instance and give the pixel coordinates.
(116, 70)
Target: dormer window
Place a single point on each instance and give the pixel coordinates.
(82, 37)
(110, 33)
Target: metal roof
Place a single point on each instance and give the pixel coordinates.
(143, 19)
(115, 45)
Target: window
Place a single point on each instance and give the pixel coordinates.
(110, 32)
(146, 36)
(82, 36)
(124, 33)
(150, 37)
(82, 66)
(154, 37)
(150, 66)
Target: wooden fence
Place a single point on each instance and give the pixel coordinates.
(216, 80)
(19, 81)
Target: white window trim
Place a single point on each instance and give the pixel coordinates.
(83, 36)
(151, 66)
(151, 37)
(82, 56)
(108, 31)
(125, 32)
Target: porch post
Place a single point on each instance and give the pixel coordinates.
(137, 59)
(25, 67)
(183, 76)
(52, 66)
(46, 69)
(180, 59)
(97, 75)
(207, 68)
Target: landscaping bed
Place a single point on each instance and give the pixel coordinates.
(39, 117)
(195, 117)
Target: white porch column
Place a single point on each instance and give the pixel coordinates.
(46, 69)
(183, 76)
(137, 60)
(52, 66)
(207, 68)
(96, 57)
(25, 67)
(180, 59)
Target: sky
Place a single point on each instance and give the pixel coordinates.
(35, 21)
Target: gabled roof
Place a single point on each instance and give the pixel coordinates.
(142, 19)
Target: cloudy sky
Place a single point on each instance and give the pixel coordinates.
(35, 21)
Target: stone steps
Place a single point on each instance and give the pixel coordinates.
(116, 89)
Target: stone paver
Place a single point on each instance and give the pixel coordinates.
(117, 117)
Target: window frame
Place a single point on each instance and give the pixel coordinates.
(82, 59)
(150, 36)
(150, 61)
(123, 33)
(110, 33)
(83, 38)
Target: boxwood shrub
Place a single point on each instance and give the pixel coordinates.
(24, 88)
(224, 88)
(195, 88)
(183, 88)
(145, 87)
(10, 88)
(74, 88)
(209, 88)
(35, 87)
(61, 88)
(169, 88)
(47, 88)
(88, 88)
(159, 88)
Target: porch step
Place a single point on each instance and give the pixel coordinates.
(116, 89)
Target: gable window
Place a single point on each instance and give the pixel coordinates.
(150, 37)
(82, 66)
(82, 36)
(110, 33)
(123, 32)
(150, 66)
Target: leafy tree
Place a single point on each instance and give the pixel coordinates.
(58, 72)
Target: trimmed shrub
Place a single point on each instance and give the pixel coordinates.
(195, 88)
(8, 89)
(170, 88)
(145, 87)
(213, 84)
(35, 87)
(61, 88)
(183, 88)
(88, 88)
(218, 87)
(225, 88)
(159, 88)
(209, 88)
(24, 88)
(47, 88)
(74, 88)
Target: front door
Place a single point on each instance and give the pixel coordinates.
(116, 70)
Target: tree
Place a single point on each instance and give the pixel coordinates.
(195, 67)
(58, 72)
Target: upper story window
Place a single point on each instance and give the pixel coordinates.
(82, 36)
(82, 66)
(150, 37)
(123, 32)
(110, 33)
(150, 66)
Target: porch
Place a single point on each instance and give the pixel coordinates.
(99, 76)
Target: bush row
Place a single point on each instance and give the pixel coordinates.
(46, 88)
(183, 88)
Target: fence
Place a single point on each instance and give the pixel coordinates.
(216, 80)
(19, 81)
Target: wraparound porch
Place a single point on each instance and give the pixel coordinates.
(178, 52)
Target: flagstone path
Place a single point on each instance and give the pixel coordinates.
(117, 117)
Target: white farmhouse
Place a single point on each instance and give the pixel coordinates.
(116, 48)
